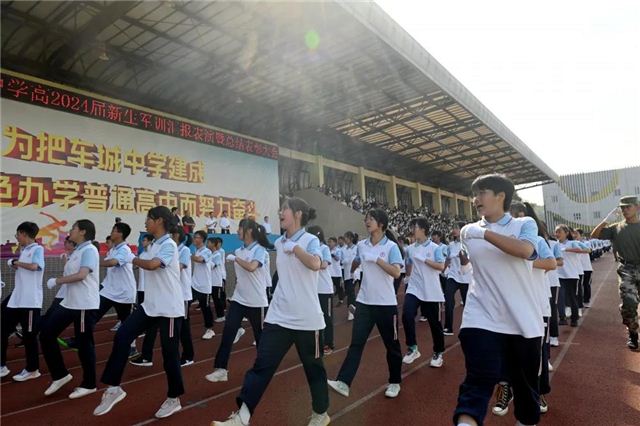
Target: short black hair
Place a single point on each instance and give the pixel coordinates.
(123, 228)
(88, 227)
(147, 237)
(497, 183)
(201, 234)
(29, 228)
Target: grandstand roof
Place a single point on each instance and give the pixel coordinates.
(341, 80)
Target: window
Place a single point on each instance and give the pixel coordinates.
(637, 190)
(554, 198)
(577, 216)
(596, 215)
(617, 192)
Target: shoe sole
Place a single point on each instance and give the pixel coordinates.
(164, 416)
(141, 365)
(122, 396)
(391, 396)
(436, 366)
(216, 379)
(27, 379)
(500, 413)
(186, 364)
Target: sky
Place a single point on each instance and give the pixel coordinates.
(564, 76)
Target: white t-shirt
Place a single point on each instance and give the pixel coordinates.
(325, 285)
(211, 224)
(225, 223)
(377, 286)
(295, 302)
(540, 277)
(552, 276)
(83, 294)
(184, 259)
(145, 255)
(335, 269)
(455, 271)
(216, 263)
(223, 256)
(201, 276)
(349, 253)
(571, 267)
(502, 296)
(266, 270)
(424, 281)
(267, 227)
(585, 260)
(27, 292)
(163, 290)
(250, 286)
(119, 284)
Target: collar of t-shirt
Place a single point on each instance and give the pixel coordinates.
(29, 246)
(162, 239)
(295, 237)
(250, 246)
(180, 246)
(424, 244)
(83, 245)
(382, 242)
(502, 221)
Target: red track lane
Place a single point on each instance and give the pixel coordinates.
(597, 380)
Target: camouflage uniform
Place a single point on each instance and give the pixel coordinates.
(629, 276)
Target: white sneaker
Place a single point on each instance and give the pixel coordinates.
(437, 360)
(233, 420)
(423, 319)
(168, 407)
(219, 375)
(57, 384)
(341, 387)
(579, 312)
(567, 311)
(350, 317)
(411, 356)
(352, 309)
(587, 304)
(245, 319)
(116, 327)
(25, 375)
(553, 341)
(254, 343)
(186, 362)
(550, 366)
(208, 335)
(447, 332)
(221, 319)
(4, 371)
(319, 419)
(110, 397)
(392, 390)
(80, 392)
(239, 334)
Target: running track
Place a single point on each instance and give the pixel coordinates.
(596, 380)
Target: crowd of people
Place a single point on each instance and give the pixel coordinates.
(518, 284)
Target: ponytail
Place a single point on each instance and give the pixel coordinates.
(169, 221)
(258, 232)
(318, 232)
(299, 205)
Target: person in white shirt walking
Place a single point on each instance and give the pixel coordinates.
(458, 278)
(266, 225)
(349, 253)
(325, 290)
(294, 318)
(201, 281)
(211, 223)
(24, 304)
(335, 268)
(225, 223)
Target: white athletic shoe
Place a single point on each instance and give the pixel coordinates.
(4, 371)
(221, 319)
(352, 309)
(392, 390)
(186, 362)
(245, 319)
(411, 356)
(579, 312)
(254, 343)
(319, 419)
(341, 387)
(57, 384)
(567, 311)
(80, 392)
(233, 420)
(219, 375)
(168, 407)
(116, 327)
(239, 334)
(447, 332)
(208, 335)
(587, 304)
(110, 397)
(550, 366)
(423, 319)
(25, 375)
(553, 341)
(350, 317)
(437, 360)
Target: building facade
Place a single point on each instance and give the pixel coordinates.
(583, 200)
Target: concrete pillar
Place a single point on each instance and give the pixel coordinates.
(470, 208)
(362, 183)
(317, 171)
(437, 201)
(416, 199)
(455, 206)
(418, 203)
(392, 194)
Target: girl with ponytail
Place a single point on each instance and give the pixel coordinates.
(294, 317)
(325, 289)
(376, 304)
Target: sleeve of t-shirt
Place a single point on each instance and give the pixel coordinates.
(206, 255)
(38, 257)
(165, 253)
(439, 255)
(325, 254)
(583, 245)
(408, 261)
(314, 247)
(121, 255)
(356, 257)
(89, 259)
(215, 258)
(557, 253)
(529, 232)
(395, 258)
(544, 252)
(259, 254)
(185, 257)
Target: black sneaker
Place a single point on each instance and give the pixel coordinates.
(574, 323)
(504, 396)
(563, 321)
(632, 343)
(140, 362)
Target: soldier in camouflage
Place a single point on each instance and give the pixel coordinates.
(625, 236)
